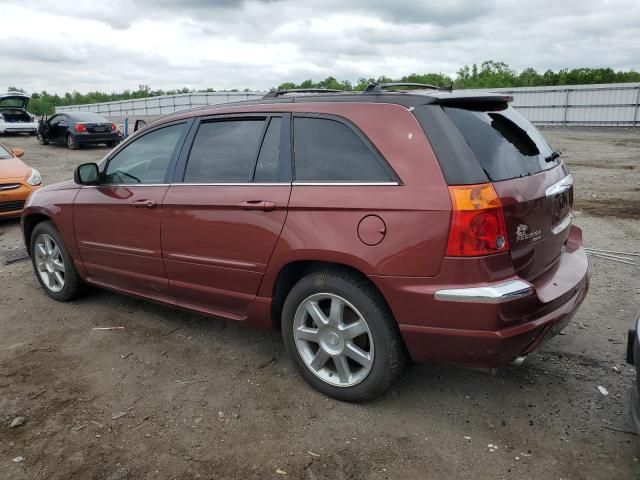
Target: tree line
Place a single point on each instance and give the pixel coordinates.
(489, 74)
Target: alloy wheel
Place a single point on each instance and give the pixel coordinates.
(49, 262)
(333, 339)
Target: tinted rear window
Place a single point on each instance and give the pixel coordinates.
(505, 143)
(329, 151)
(87, 117)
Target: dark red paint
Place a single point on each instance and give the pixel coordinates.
(218, 249)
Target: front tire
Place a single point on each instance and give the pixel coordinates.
(71, 143)
(52, 263)
(341, 336)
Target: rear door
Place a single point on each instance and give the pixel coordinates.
(225, 210)
(534, 187)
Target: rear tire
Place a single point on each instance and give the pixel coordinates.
(71, 143)
(52, 263)
(112, 144)
(341, 336)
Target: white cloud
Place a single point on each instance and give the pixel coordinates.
(259, 44)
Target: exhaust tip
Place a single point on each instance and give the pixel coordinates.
(519, 360)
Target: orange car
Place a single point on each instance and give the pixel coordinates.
(17, 181)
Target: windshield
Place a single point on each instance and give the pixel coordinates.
(505, 143)
(4, 153)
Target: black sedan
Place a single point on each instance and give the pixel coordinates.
(78, 128)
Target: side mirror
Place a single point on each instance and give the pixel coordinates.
(17, 152)
(87, 174)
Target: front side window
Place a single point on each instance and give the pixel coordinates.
(225, 151)
(329, 151)
(146, 159)
(268, 166)
(4, 153)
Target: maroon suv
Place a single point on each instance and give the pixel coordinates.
(367, 227)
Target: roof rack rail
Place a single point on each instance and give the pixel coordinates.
(279, 93)
(379, 87)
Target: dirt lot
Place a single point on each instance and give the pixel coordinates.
(176, 395)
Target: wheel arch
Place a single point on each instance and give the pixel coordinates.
(29, 222)
(293, 271)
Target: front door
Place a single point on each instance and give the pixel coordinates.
(117, 223)
(223, 214)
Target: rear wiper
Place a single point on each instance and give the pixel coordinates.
(554, 155)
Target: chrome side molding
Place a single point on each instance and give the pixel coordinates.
(562, 186)
(494, 293)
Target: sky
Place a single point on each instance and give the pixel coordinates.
(111, 45)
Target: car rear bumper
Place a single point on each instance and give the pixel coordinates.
(91, 138)
(18, 127)
(488, 324)
(481, 348)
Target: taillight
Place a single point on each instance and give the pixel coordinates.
(113, 127)
(477, 222)
(79, 127)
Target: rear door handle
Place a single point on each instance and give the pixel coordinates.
(263, 205)
(143, 203)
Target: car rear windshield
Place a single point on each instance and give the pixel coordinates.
(87, 117)
(12, 102)
(505, 143)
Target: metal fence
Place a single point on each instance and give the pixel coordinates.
(598, 105)
(573, 105)
(162, 105)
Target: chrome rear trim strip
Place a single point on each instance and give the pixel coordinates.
(494, 293)
(566, 221)
(562, 186)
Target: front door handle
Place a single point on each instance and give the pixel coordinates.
(143, 203)
(264, 205)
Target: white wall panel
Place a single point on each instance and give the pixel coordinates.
(606, 104)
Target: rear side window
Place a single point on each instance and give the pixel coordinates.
(329, 151)
(225, 151)
(505, 144)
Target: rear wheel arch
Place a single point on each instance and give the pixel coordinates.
(294, 271)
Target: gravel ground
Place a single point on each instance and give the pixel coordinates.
(177, 395)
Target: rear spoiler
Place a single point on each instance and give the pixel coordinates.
(471, 98)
